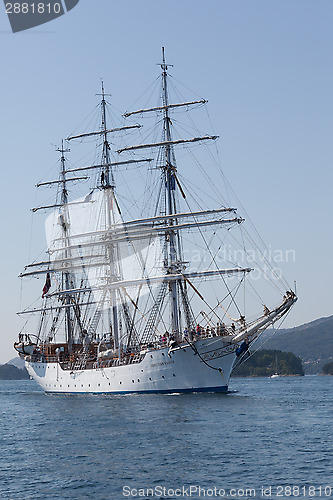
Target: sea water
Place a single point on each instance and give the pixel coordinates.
(268, 438)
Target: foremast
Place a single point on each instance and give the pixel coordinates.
(170, 187)
(168, 208)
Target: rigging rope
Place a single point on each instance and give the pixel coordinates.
(268, 338)
(193, 347)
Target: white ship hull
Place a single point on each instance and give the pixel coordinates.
(182, 371)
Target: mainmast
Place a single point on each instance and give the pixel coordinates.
(107, 183)
(64, 225)
(107, 179)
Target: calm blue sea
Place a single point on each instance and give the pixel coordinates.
(270, 439)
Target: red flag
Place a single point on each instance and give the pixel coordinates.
(47, 285)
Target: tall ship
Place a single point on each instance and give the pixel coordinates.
(147, 285)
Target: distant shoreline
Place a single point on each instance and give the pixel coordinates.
(11, 372)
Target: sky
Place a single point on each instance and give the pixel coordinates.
(264, 65)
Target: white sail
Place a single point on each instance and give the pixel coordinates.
(87, 216)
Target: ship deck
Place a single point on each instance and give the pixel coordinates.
(82, 358)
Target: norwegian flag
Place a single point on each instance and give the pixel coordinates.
(47, 285)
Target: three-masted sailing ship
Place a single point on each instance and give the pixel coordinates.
(125, 306)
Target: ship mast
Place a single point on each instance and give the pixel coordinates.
(170, 188)
(107, 179)
(64, 226)
(168, 202)
(108, 184)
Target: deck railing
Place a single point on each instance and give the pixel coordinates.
(80, 360)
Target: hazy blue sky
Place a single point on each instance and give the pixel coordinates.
(264, 65)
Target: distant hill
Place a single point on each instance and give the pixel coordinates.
(11, 372)
(312, 342)
(266, 362)
(18, 362)
(328, 369)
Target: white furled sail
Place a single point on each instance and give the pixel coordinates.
(90, 254)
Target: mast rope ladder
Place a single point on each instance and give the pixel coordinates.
(147, 333)
(190, 319)
(94, 322)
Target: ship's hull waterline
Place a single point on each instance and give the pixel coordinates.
(182, 371)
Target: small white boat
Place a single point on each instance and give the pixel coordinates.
(276, 374)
